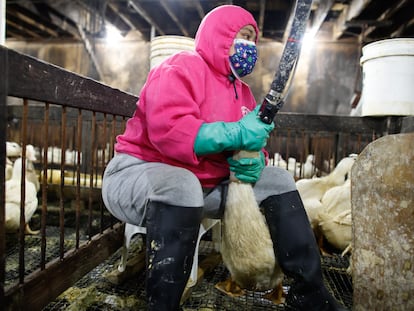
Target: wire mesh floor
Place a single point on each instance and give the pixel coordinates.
(32, 246)
(95, 292)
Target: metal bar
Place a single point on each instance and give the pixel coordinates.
(62, 185)
(78, 166)
(3, 138)
(56, 85)
(94, 157)
(112, 148)
(44, 188)
(23, 193)
(105, 135)
(91, 172)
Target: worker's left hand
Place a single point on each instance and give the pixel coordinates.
(247, 170)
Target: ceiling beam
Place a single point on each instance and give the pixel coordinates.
(15, 33)
(116, 19)
(137, 7)
(350, 12)
(400, 30)
(261, 17)
(174, 17)
(121, 15)
(63, 22)
(36, 20)
(356, 7)
(90, 50)
(320, 15)
(394, 7)
(29, 28)
(23, 31)
(199, 9)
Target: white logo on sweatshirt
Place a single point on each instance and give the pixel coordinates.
(244, 110)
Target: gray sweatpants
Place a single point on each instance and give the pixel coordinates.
(130, 183)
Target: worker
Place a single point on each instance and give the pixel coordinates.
(173, 161)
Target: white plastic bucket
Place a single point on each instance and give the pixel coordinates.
(165, 46)
(388, 77)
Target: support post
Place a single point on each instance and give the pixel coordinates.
(2, 22)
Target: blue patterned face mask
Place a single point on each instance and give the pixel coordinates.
(245, 57)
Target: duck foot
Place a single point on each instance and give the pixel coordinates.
(277, 295)
(322, 245)
(28, 230)
(230, 288)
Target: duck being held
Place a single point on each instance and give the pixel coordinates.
(247, 249)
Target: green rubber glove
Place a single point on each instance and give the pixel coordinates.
(249, 133)
(247, 170)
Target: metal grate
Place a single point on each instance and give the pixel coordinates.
(94, 292)
(337, 278)
(32, 251)
(32, 248)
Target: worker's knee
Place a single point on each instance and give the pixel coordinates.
(284, 177)
(274, 180)
(180, 188)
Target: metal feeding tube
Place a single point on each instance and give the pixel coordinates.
(274, 99)
(279, 88)
(270, 106)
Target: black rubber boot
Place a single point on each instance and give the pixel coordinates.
(172, 233)
(297, 253)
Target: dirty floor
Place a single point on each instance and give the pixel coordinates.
(95, 291)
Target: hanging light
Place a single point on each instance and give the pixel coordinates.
(308, 39)
(112, 35)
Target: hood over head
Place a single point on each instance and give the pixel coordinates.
(216, 33)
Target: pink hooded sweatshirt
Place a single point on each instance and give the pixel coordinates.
(187, 90)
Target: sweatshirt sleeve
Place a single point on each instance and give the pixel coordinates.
(172, 108)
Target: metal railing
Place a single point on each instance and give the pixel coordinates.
(72, 122)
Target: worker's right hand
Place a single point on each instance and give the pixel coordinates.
(254, 132)
(249, 133)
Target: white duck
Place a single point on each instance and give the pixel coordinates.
(31, 174)
(308, 168)
(317, 186)
(336, 218)
(293, 167)
(247, 249)
(279, 161)
(13, 150)
(13, 199)
(313, 189)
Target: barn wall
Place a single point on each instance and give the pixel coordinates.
(324, 81)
